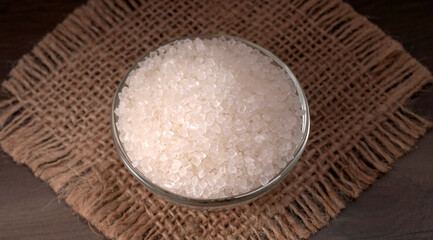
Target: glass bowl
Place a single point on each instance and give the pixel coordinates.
(228, 202)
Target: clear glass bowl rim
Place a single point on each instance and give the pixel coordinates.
(219, 203)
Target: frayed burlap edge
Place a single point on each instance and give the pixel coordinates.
(29, 140)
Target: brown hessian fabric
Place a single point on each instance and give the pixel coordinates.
(356, 78)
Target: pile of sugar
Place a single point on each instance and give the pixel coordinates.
(209, 118)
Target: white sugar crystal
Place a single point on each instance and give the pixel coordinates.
(163, 157)
(196, 161)
(169, 184)
(209, 118)
(232, 153)
(249, 161)
(263, 180)
(242, 108)
(182, 172)
(259, 138)
(216, 128)
(220, 183)
(200, 173)
(176, 165)
(194, 126)
(231, 168)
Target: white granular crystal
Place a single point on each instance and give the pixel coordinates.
(209, 118)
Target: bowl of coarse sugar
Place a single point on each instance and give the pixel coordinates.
(210, 121)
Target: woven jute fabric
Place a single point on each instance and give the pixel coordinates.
(356, 78)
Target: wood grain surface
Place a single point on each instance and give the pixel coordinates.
(397, 206)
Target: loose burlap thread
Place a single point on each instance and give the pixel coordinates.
(356, 79)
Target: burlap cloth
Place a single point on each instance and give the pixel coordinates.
(356, 79)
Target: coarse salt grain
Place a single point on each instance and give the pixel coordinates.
(209, 118)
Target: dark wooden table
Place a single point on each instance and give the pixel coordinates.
(397, 206)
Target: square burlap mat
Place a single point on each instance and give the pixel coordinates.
(356, 79)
